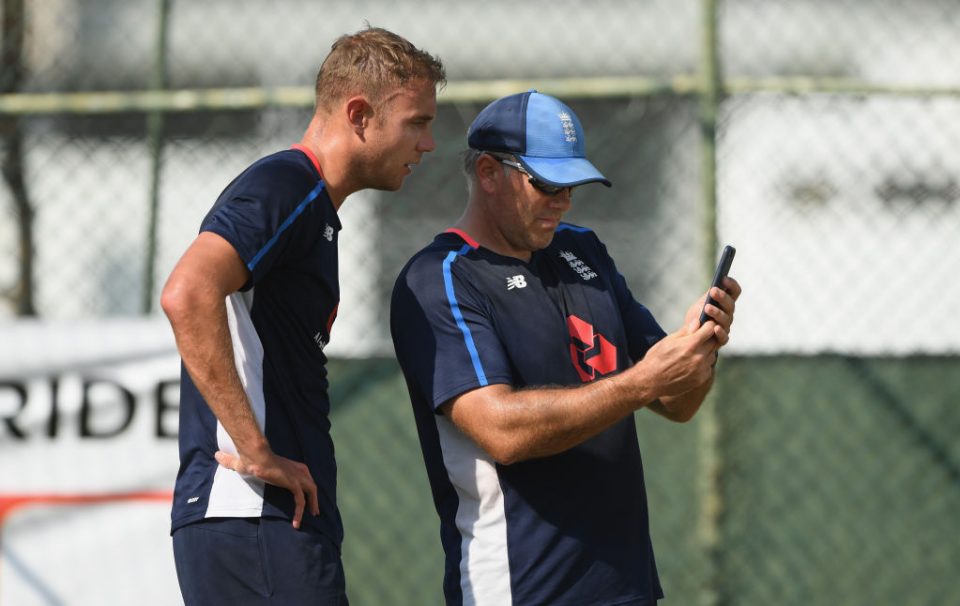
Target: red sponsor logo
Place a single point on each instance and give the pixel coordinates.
(590, 352)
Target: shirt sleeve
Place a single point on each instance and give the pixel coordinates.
(265, 214)
(444, 337)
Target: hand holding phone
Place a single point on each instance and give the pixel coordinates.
(723, 267)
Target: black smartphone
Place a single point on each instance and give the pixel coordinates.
(723, 267)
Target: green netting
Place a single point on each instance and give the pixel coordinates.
(839, 482)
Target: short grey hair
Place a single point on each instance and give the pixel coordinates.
(468, 165)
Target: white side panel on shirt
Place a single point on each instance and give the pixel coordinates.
(484, 564)
(233, 494)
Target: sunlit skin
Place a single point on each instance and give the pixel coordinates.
(398, 136)
(362, 144)
(511, 216)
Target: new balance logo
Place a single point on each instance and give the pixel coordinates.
(328, 233)
(516, 282)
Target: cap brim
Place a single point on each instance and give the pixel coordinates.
(563, 172)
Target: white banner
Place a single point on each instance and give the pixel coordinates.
(88, 457)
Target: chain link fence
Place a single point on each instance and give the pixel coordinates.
(820, 137)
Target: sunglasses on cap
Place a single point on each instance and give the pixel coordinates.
(550, 190)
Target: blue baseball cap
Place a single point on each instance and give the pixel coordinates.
(542, 132)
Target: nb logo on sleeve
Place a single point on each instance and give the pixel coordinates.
(516, 282)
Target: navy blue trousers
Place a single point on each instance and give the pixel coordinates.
(256, 561)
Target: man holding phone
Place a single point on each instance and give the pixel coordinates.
(526, 355)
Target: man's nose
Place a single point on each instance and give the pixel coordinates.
(427, 143)
(563, 200)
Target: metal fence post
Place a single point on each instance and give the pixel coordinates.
(12, 39)
(711, 498)
(155, 123)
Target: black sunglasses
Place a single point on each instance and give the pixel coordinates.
(550, 190)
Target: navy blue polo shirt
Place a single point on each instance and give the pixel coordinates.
(568, 529)
(279, 217)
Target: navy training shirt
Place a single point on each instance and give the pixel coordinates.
(279, 217)
(568, 529)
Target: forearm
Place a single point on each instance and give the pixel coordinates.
(198, 317)
(515, 425)
(681, 408)
(194, 300)
(542, 422)
(207, 352)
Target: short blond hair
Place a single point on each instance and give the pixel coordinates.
(373, 61)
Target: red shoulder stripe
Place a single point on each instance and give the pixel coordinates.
(466, 238)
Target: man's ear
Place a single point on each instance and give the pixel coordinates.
(489, 173)
(359, 113)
